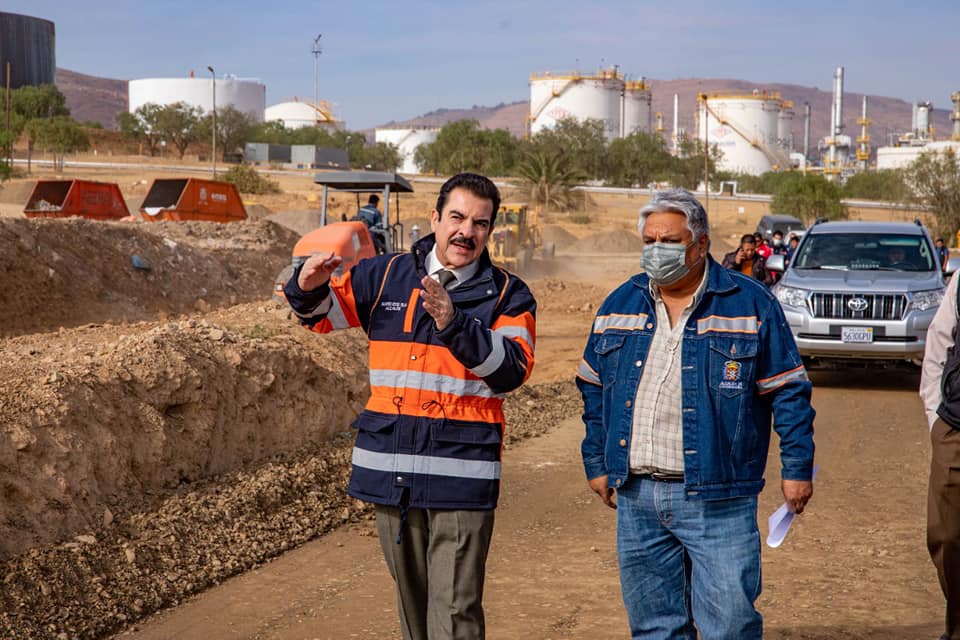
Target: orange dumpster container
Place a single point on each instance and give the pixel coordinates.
(192, 199)
(84, 198)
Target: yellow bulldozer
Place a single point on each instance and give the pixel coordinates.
(517, 238)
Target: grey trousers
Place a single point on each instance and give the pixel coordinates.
(438, 567)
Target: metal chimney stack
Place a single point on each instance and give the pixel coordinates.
(676, 124)
(806, 135)
(838, 102)
(955, 116)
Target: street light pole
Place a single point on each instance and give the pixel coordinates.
(213, 152)
(316, 51)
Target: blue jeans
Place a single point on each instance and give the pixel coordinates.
(686, 562)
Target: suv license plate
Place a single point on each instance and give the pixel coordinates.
(856, 334)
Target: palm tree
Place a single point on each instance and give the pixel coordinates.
(549, 178)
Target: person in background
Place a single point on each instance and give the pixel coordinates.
(943, 253)
(449, 335)
(779, 248)
(370, 215)
(686, 368)
(792, 244)
(747, 260)
(414, 233)
(763, 248)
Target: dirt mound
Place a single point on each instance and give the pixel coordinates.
(143, 463)
(300, 222)
(558, 236)
(16, 191)
(554, 294)
(90, 415)
(69, 272)
(257, 211)
(608, 242)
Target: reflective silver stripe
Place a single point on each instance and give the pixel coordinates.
(619, 321)
(426, 465)
(430, 382)
(516, 332)
(587, 373)
(497, 353)
(769, 384)
(321, 309)
(745, 324)
(336, 317)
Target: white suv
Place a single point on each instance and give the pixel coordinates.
(862, 291)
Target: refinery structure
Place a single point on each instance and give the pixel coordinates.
(623, 106)
(753, 131)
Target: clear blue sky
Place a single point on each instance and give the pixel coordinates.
(387, 61)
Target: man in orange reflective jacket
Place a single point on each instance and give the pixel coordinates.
(449, 334)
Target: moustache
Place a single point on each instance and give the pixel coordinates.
(464, 242)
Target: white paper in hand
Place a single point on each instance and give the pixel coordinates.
(779, 522)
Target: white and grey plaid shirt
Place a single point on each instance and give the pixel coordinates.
(656, 441)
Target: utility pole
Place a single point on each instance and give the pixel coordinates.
(213, 153)
(706, 155)
(9, 149)
(316, 51)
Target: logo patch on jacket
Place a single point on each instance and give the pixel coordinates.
(392, 305)
(731, 376)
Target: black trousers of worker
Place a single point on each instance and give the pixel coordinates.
(943, 519)
(438, 567)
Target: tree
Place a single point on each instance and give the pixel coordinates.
(381, 157)
(141, 125)
(584, 141)
(637, 160)
(549, 178)
(687, 168)
(887, 185)
(809, 197)
(61, 135)
(935, 181)
(234, 128)
(464, 146)
(179, 124)
(30, 103)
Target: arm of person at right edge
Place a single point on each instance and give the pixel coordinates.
(595, 437)
(939, 339)
(782, 377)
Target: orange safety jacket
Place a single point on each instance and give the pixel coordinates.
(432, 431)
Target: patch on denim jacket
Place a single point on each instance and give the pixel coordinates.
(731, 376)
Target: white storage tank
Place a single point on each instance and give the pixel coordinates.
(745, 128)
(637, 111)
(296, 114)
(407, 140)
(246, 95)
(785, 126)
(554, 97)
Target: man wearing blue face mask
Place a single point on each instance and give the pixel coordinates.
(686, 368)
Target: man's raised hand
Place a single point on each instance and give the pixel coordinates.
(317, 269)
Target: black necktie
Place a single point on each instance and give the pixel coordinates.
(445, 277)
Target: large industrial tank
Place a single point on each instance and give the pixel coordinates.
(746, 129)
(246, 95)
(637, 112)
(574, 95)
(785, 126)
(296, 115)
(407, 140)
(28, 44)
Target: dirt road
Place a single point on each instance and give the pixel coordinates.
(854, 566)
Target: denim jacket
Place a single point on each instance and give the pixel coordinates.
(740, 368)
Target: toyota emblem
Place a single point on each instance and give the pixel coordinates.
(857, 304)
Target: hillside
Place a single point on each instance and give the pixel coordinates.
(888, 115)
(100, 99)
(93, 98)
